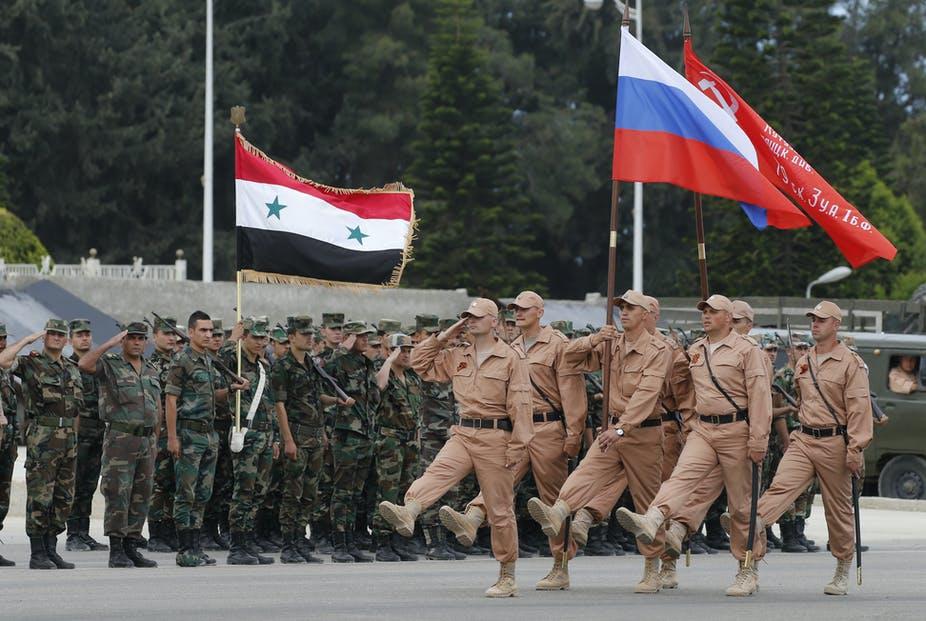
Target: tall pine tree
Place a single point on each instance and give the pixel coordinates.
(476, 230)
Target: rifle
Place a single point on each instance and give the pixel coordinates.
(876, 410)
(186, 340)
(791, 401)
(683, 341)
(325, 375)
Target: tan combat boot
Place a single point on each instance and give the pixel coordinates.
(558, 578)
(582, 521)
(550, 518)
(642, 526)
(505, 586)
(746, 582)
(462, 525)
(650, 583)
(675, 535)
(402, 519)
(667, 574)
(839, 585)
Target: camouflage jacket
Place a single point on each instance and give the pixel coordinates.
(125, 395)
(191, 379)
(437, 409)
(160, 362)
(8, 397)
(225, 411)
(356, 375)
(784, 377)
(50, 388)
(299, 387)
(592, 388)
(400, 403)
(249, 370)
(91, 389)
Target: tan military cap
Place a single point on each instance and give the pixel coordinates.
(480, 307)
(825, 309)
(742, 310)
(526, 299)
(634, 298)
(717, 302)
(652, 304)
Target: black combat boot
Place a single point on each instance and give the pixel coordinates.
(156, 542)
(92, 543)
(5, 562)
(289, 554)
(238, 554)
(716, 538)
(51, 542)
(171, 536)
(209, 536)
(362, 538)
(436, 538)
(304, 548)
(804, 541)
(340, 553)
(384, 551)
(39, 558)
(774, 543)
(224, 536)
(117, 556)
(262, 532)
(321, 535)
(131, 545)
(789, 542)
(254, 550)
(698, 544)
(198, 549)
(187, 555)
(595, 544)
(415, 544)
(359, 555)
(404, 553)
(74, 542)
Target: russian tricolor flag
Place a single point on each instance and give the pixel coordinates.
(666, 130)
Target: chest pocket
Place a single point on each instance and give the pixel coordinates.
(52, 389)
(548, 359)
(202, 381)
(631, 376)
(127, 388)
(494, 387)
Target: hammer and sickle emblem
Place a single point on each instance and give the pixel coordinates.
(730, 107)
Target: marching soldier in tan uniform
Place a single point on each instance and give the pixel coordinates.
(559, 406)
(491, 385)
(836, 426)
(632, 446)
(733, 402)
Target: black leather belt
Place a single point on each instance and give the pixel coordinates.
(264, 426)
(487, 423)
(222, 424)
(670, 417)
(201, 426)
(649, 422)
(826, 432)
(723, 419)
(548, 417)
(55, 421)
(131, 429)
(91, 423)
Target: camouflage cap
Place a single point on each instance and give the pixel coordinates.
(375, 339)
(137, 327)
(256, 326)
(428, 323)
(564, 326)
(389, 326)
(164, 324)
(2, 329)
(409, 329)
(357, 327)
(400, 340)
(217, 325)
(56, 325)
(333, 320)
(79, 325)
(446, 323)
(278, 334)
(583, 331)
(508, 316)
(301, 324)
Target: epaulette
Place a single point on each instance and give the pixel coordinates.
(750, 339)
(560, 335)
(861, 361)
(33, 354)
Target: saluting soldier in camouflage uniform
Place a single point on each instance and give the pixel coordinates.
(214, 535)
(52, 388)
(130, 405)
(89, 447)
(298, 390)
(252, 464)
(8, 434)
(352, 445)
(162, 536)
(191, 436)
(395, 449)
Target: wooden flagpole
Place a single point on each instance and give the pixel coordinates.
(699, 214)
(237, 117)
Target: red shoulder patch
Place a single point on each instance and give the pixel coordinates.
(461, 366)
(802, 369)
(695, 358)
(33, 354)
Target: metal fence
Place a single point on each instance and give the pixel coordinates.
(91, 267)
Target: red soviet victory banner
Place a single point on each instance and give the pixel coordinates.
(858, 240)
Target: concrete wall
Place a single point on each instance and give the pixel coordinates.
(127, 300)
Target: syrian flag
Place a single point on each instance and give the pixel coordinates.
(292, 230)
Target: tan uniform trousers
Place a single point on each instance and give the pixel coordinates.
(482, 450)
(549, 466)
(671, 448)
(699, 502)
(635, 462)
(707, 446)
(825, 458)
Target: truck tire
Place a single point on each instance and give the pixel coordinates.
(903, 476)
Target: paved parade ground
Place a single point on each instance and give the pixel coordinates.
(791, 586)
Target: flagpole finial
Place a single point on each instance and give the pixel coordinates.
(625, 21)
(237, 116)
(686, 31)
